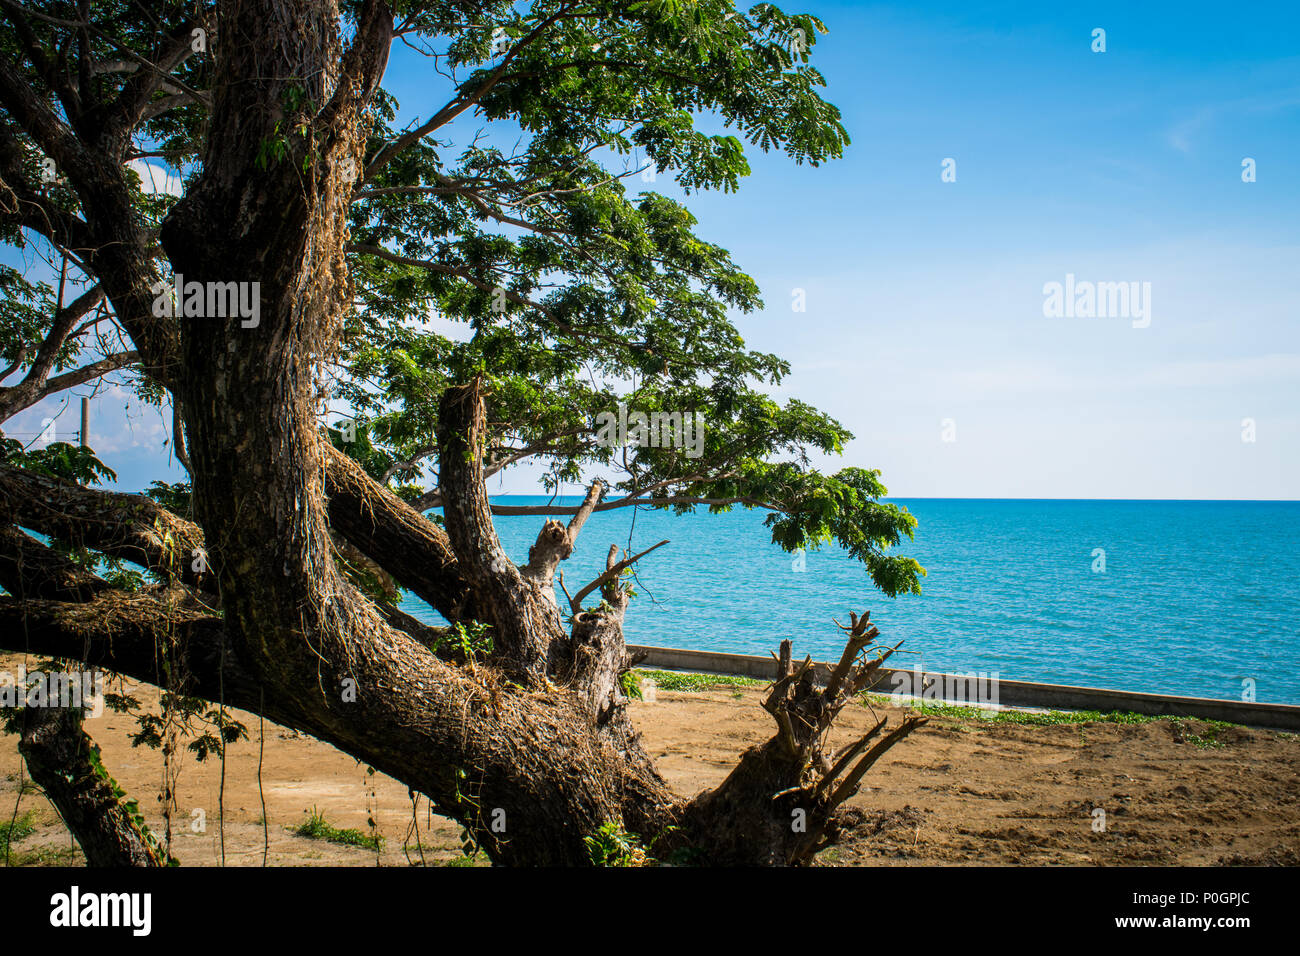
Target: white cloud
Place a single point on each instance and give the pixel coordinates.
(156, 179)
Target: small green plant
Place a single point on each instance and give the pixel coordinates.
(611, 845)
(11, 832)
(272, 149)
(631, 685)
(316, 827)
(1208, 739)
(48, 856)
(470, 641)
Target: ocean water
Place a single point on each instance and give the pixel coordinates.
(1196, 597)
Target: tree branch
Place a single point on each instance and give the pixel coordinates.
(463, 101)
(34, 385)
(398, 538)
(629, 502)
(131, 527)
(555, 542)
(611, 574)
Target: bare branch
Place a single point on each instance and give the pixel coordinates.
(611, 574)
(861, 633)
(555, 542)
(627, 503)
(850, 784)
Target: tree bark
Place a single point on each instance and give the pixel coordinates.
(519, 607)
(131, 527)
(65, 762)
(398, 538)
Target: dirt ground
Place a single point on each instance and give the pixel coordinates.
(955, 792)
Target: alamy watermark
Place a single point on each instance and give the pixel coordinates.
(1098, 300)
(973, 689)
(53, 689)
(209, 300)
(133, 911)
(681, 430)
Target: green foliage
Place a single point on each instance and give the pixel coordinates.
(317, 827)
(575, 285)
(578, 293)
(207, 725)
(473, 860)
(1207, 739)
(18, 829)
(631, 683)
(57, 459)
(470, 811)
(611, 845)
(684, 681)
(121, 703)
(470, 641)
(130, 805)
(1054, 718)
(121, 576)
(25, 319)
(175, 497)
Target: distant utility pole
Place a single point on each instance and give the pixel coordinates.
(85, 421)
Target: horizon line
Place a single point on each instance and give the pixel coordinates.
(543, 494)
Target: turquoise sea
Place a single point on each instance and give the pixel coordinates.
(1195, 598)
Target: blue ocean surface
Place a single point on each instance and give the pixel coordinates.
(1196, 597)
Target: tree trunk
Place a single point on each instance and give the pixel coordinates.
(65, 762)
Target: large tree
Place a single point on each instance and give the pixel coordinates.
(271, 576)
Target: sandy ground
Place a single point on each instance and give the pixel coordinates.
(955, 792)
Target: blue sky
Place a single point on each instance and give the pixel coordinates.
(924, 299)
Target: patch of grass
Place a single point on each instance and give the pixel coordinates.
(47, 856)
(478, 859)
(19, 829)
(318, 828)
(1042, 718)
(1208, 738)
(684, 681)
(688, 681)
